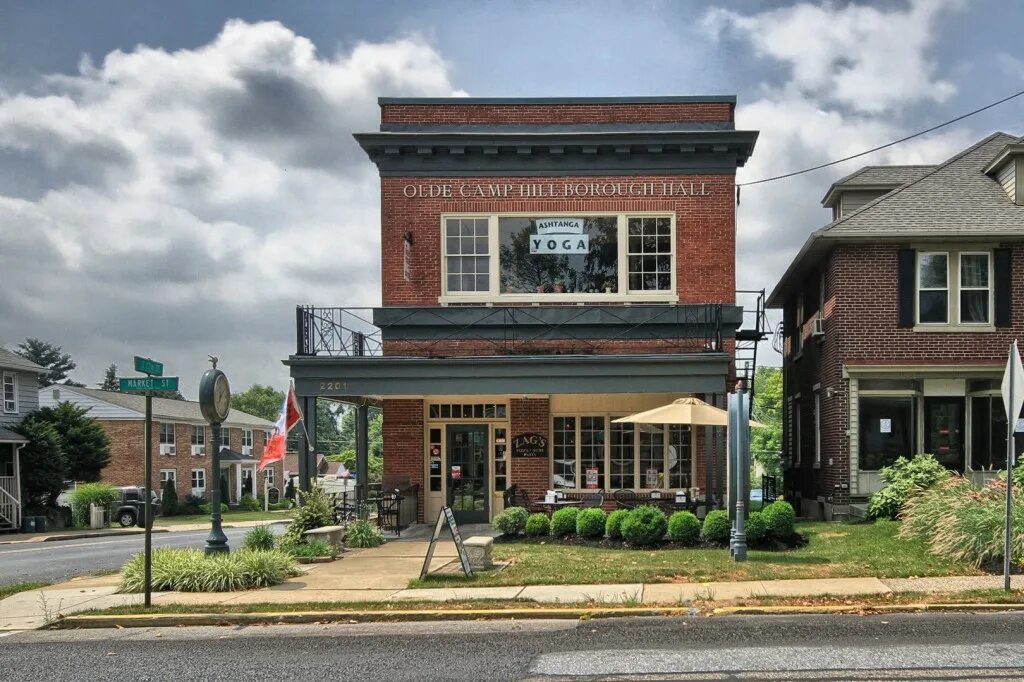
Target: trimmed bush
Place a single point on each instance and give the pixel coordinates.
(537, 525)
(169, 499)
(756, 528)
(207, 508)
(563, 521)
(683, 527)
(189, 570)
(590, 523)
(512, 521)
(191, 505)
(904, 479)
(259, 538)
(780, 519)
(310, 549)
(613, 525)
(85, 494)
(716, 527)
(249, 503)
(362, 533)
(644, 526)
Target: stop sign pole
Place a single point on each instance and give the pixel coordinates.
(1013, 400)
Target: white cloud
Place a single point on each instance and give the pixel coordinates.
(187, 200)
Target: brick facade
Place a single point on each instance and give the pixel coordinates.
(530, 415)
(404, 446)
(527, 114)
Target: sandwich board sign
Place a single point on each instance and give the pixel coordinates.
(446, 515)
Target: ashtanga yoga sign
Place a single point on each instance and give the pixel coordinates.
(560, 235)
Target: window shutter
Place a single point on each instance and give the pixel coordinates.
(1002, 269)
(907, 261)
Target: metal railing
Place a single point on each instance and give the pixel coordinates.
(445, 331)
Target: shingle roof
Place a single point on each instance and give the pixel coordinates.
(884, 175)
(166, 408)
(12, 360)
(8, 436)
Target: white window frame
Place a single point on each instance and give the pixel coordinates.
(246, 438)
(201, 477)
(960, 287)
(10, 379)
(225, 437)
(266, 437)
(918, 288)
(164, 477)
(495, 295)
(269, 476)
(162, 439)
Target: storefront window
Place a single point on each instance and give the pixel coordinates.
(652, 455)
(680, 457)
(944, 430)
(988, 433)
(567, 255)
(563, 444)
(886, 431)
(592, 451)
(650, 254)
(622, 460)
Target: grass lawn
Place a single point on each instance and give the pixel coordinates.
(15, 588)
(833, 551)
(228, 517)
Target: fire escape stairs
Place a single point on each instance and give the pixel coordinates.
(749, 336)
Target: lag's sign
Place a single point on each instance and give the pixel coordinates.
(560, 236)
(530, 445)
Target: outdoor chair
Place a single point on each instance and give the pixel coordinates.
(626, 499)
(518, 497)
(591, 500)
(389, 506)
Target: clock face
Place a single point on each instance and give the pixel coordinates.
(221, 396)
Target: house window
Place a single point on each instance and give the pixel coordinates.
(166, 433)
(650, 254)
(198, 440)
(886, 430)
(817, 429)
(564, 453)
(168, 475)
(467, 255)
(198, 481)
(270, 476)
(266, 437)
(932, 288)
(988, 433)
(247, 441)
(975, 288)
(225, 437)
(10, 393)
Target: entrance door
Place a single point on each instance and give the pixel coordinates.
(467, 473)
(944, 430)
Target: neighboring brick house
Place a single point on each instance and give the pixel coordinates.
(19, 379)
(181, 441)
(897, 318)
(547, 265)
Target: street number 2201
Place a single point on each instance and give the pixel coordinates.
(332, 385)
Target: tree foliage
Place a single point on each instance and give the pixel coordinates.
(260, 401)
(85, 443)
(52, 357)
(43, 465)
(109, 382)
(766, 442)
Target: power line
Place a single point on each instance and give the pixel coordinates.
(884, 146)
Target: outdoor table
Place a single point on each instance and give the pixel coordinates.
(551, 506)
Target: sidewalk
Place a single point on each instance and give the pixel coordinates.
(81, 533)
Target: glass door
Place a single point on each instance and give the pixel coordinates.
(944, 431)
(467, 472)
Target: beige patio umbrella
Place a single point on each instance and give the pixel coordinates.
(693, 411)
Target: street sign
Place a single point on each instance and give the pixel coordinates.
(138, 384)
(1014, 369)
(150, 367)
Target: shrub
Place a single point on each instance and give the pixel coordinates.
(310, 549)
(259, 538)
(100, 494)
(314, 512)
(512, 521)
(362, 533)
(717, 527)
(683, 527)
(613, 525)
(189, 570)
(537, 525)
(779, 519)
(169, 498)
(644, 526)
(904, 479)
(249, 503)
(756, 528)
(191, 505)
(590, 523)
(207, 508)
(563, 521)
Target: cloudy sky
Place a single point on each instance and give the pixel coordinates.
(175, 177)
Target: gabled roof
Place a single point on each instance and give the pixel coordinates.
(11, 360)
(953, 200)
(164, 408)
(875, 177)
(8, 436)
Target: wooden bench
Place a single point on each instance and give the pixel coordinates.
(332, 535)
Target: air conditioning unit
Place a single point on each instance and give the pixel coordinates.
(198, 450)
(818, 328)
(166, 448)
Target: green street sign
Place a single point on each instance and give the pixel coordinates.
(136, 384)
(150, 367)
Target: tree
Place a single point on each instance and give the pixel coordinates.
(43, 466)
(109, 382)
(52, 358)
(375, 426)
(169, 498)
(259, 401)
(766, 442)
(85, 443)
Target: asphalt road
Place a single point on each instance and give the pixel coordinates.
(893, 647)
(57, 561)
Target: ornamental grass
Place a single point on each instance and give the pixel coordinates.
(190, 570)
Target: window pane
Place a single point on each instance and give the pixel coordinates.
(932, 270)
(564, 453)
(886, 431)
(680, 462)
(974, 270)
(652, 455)
(592, 449)
(553, 262)
(974, 306)
(944, 430)
(933, 306)
(988, 434)
(622, 463)
(650, 254)
(451, 228)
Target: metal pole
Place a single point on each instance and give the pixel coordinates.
(216, 541)
(1011, 420)
(741, 419)
(149, 501)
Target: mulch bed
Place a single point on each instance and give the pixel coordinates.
(793, 542)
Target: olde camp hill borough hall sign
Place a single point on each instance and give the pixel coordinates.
(555, 190)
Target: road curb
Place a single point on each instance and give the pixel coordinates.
(302, 617)
(80, 536)
(858, 608)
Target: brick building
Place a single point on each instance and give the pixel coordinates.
(897, 318)
(547, 266)
(181, 441)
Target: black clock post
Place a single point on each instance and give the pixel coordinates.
(215, 403)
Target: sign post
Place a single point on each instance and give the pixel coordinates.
(155, 381)
(1013, 400)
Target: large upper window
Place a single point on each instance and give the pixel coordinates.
(954, 287)
(573, 256)
(10, 389)
(933, 288)
(975, 287)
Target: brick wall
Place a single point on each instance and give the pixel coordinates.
(667, 112)
(475, 347)
(403, 443)
(530, 415)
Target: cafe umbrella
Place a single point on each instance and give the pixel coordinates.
(692, 411)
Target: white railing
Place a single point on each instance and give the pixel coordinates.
(10, 504)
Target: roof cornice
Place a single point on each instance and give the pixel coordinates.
(657, 99)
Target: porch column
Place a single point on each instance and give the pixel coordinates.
(362, 451)
(238, 482)
(718, 400)
(304, 469)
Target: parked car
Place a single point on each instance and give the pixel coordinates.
(128, 510)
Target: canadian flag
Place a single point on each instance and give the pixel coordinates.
(273, 451)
